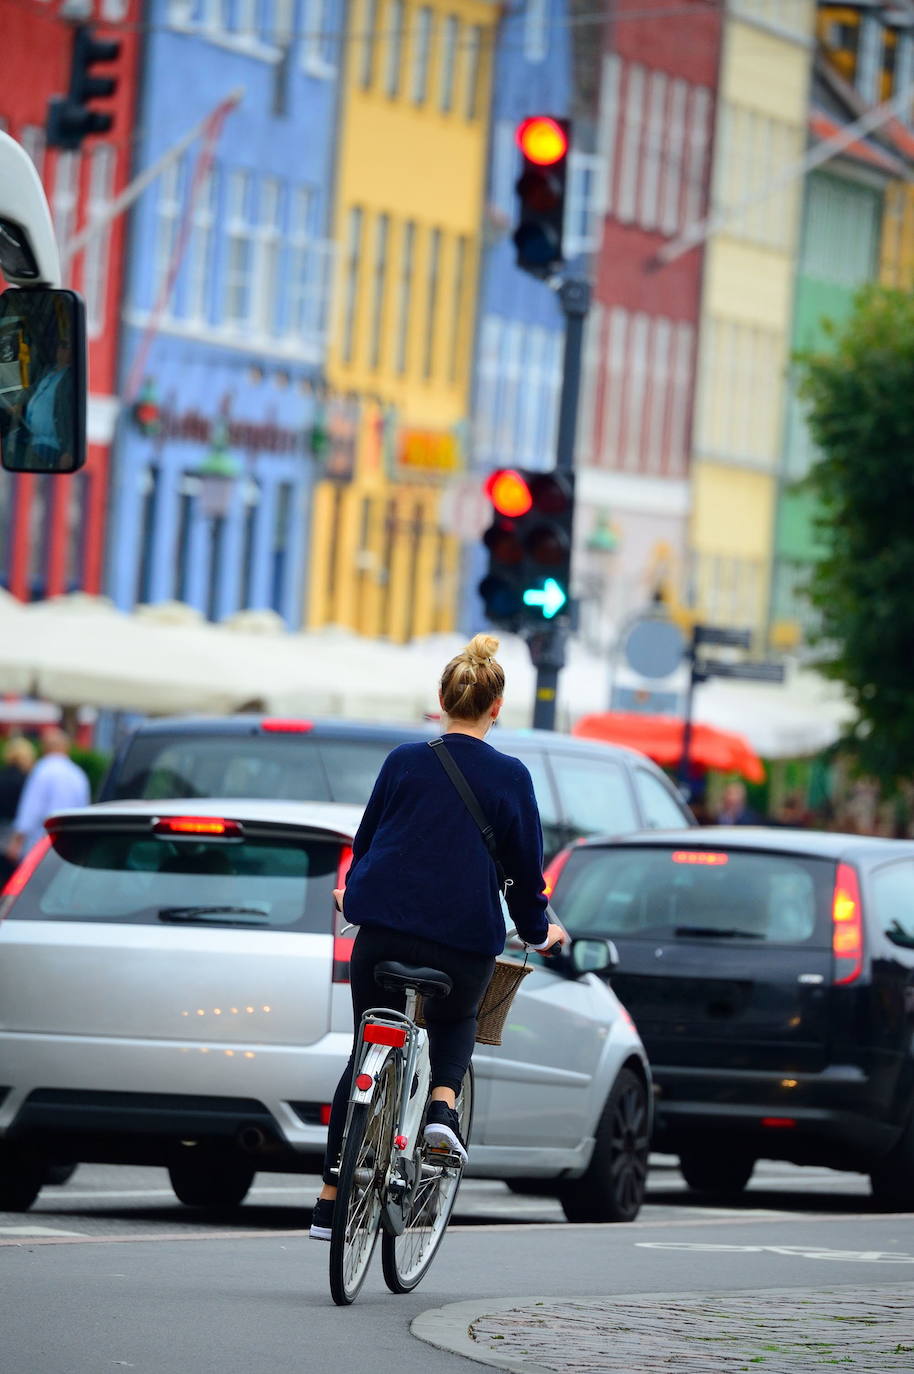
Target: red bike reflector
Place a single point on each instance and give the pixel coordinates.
(287, 727)
(508, 492)
(847, 926)
(363, 1082)
(21, 874)
(198, 825)
(778, 1123)
(385, 1035)
(401, 1142)
(325, 1113)
(699, 856)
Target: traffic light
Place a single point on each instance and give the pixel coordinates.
(544, 144)
(529, 546)
(70, 118)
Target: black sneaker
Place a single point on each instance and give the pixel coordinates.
(322, 1218)
(442, 1130)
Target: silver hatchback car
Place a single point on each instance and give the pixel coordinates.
(173, 991)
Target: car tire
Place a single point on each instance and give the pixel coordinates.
(21, 1179)
(716, 1173)
(892, 1179)
(204, 1178)
(58, 1174)
(612, 1188)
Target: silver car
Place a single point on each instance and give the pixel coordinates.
(173, 991)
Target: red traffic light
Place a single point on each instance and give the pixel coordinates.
(508, 492)
(542, 140)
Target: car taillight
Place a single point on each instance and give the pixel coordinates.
(21, 874)
(847, 925)
(342, 944)
(554, 868)
(286, 727)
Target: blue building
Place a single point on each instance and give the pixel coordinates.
(224, 416)
(520, 333)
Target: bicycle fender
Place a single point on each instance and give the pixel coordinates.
(370, 1067)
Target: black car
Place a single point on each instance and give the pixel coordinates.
(770, 974)
(582, 787)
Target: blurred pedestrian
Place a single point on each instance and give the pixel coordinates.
(18, 757)
(55, 783)
(734, 809)
(793, 812)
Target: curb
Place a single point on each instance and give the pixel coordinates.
(448, 1328)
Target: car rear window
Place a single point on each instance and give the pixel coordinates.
(668, 893)
(279, 767)
(138, 879)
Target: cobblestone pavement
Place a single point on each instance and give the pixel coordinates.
(775, 1332)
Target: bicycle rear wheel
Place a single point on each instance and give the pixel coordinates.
(406, 1258)
(363, 1175)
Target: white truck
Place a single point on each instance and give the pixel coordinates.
(42, 331)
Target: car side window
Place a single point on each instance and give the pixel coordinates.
(660, 808)
(535, 763)
(893, 901)
(595, 796)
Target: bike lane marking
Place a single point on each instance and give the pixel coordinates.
(814, 1252)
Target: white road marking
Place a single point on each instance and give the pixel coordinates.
(816, 1252)
(36, 1231)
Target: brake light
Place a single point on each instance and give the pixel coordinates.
(198, 825)
(847, 925)
(342, 944)
(21, 874)
(706, 857)
(554, 868)
(287, 727)
(778, 1123)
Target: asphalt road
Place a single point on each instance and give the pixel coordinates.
(137, 1285)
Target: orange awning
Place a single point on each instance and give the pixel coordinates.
(660, 737)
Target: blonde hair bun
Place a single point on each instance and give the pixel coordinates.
(481, 649)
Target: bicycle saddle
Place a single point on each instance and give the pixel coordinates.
(431, 982)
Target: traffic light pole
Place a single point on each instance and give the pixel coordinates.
(547, 646)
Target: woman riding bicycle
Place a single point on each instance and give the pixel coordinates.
(423, 889)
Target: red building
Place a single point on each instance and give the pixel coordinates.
(52, 530)
(657, 106)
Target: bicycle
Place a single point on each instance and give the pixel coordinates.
(390, 1179)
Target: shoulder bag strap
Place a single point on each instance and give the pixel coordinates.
(455, 773)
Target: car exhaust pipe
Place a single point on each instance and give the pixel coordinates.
(252, 1139)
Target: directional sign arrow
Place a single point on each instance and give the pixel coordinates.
(550, 597)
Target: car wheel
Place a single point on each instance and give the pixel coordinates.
(58, 1174)
(203, 1178)
(892, 1179)
(612, 1189)
(21, 1178)
(707, 1169)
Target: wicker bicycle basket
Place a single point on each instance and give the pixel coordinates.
(507, 977)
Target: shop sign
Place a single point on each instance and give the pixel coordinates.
(193, 427)
(430, 452)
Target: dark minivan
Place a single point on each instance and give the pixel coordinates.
(582, 787)
(770, 974)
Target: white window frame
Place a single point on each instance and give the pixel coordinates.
(536, 17)
(395, 25)
(380, 254)
(671, 181)
(102, 172)
(200, 249)
(584, 205)
(421, 57)
(299, 323)
(315, 45)
(450, 43)
(238, 302)
(653, 150)
(167, 221)
(505, 168)
(407, 266)
(354, 227)
(633, 120)
(267, 255)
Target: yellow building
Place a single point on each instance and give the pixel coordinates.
(747, 307)
(409, 201)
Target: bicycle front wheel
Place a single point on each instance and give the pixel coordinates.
(406, 1258)
(363, 1177)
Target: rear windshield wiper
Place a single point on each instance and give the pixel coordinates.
(200, 913)
(715, 933)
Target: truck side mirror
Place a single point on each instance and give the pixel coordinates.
(42, 380)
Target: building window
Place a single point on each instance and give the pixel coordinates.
(102, 161)
(351, 299)
(239, 284)
(431, 302)
(422, 50)
(247, 20)
(283, 23)
(448, 63)
(869, 62)
(460, 274)
(318, 43)
(304, 296)
(269, 245)
(369, 26)
(404, 296)
(168, 215)
(381, 236)
(395, 22)
(63, 201)
(472, 68)
(535, 23)
(200, 250)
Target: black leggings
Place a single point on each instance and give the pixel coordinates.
(451, 1020)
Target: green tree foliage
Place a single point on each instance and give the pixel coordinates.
(861, 415)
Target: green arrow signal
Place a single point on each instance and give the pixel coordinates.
(551, 598)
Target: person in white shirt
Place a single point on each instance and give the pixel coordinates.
(55, 783)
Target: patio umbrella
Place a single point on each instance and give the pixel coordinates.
(660, 737)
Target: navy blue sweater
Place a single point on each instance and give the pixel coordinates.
(420, 864)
